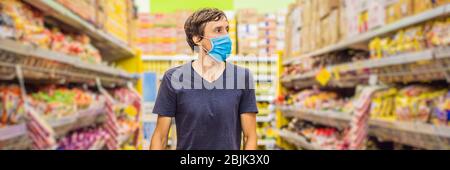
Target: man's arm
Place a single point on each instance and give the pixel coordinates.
(160, 135)
(248, 121)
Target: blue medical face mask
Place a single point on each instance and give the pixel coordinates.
(221, 48)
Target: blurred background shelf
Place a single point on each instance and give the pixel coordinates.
(112, 48)
(365, 37)
(415, 134)
(297, 140)
(49, 63)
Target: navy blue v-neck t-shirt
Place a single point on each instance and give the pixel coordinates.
(207, 114)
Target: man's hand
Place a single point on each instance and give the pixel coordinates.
(248, 122)
(159, 138)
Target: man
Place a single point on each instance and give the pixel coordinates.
(212, 101)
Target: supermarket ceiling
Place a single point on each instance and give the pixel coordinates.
(167, 6)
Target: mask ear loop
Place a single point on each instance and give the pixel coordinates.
(212, 45)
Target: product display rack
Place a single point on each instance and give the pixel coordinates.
(372, 72)
(15, 137)
(43, 64)
(297, 140)
(420, 135)
(36, 66)
(407, 58)
(365, 37)
(112, 48)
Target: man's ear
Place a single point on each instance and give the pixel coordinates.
(196, 40)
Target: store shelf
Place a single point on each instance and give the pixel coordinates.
(365, 37)
(9, 132)
(14, 137)
(406, 58)
(188, 58)
(297, 140)
(264, 98)
(49, 63)
(442, 53)
(83, 118)
(265, 78)
(415, 134)
(112, 48)
(267, 142)
(265, 118)
(329, 118)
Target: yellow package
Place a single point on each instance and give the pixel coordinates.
(385, 45)
(405, 8)
(375, 48)
(422, 6)
(391, 14)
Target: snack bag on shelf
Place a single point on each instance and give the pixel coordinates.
(54, 103)
(441, 110)
(438, 33)
(12, 110)
(375, 48)
(422, 5)
(413, 40)
(384, 98)
(84, 139)
(385, 45)
(398, 43)
(7, 25)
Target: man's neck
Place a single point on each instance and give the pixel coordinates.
(207, 64)
(208, 68)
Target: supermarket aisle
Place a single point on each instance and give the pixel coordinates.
(367, 75)
(56, 89)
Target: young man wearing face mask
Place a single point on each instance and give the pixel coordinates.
(216, 107)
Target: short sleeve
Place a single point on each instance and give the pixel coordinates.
(166, 103)
(248, 98)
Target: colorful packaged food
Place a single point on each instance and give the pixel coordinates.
(12, 110)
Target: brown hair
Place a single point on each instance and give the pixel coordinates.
(195, 24)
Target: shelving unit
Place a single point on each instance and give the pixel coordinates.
(365, 37)
(388, 70)
(415, 134)
(14, 137)
(266, 118)
(83, 118)
(329, 118)
(34, 66)
(264, 98)
(112, 48)
(44, 64)
(297, 140)
(401, 59)
(267, 142)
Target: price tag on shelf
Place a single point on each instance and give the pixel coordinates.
(323, 77)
